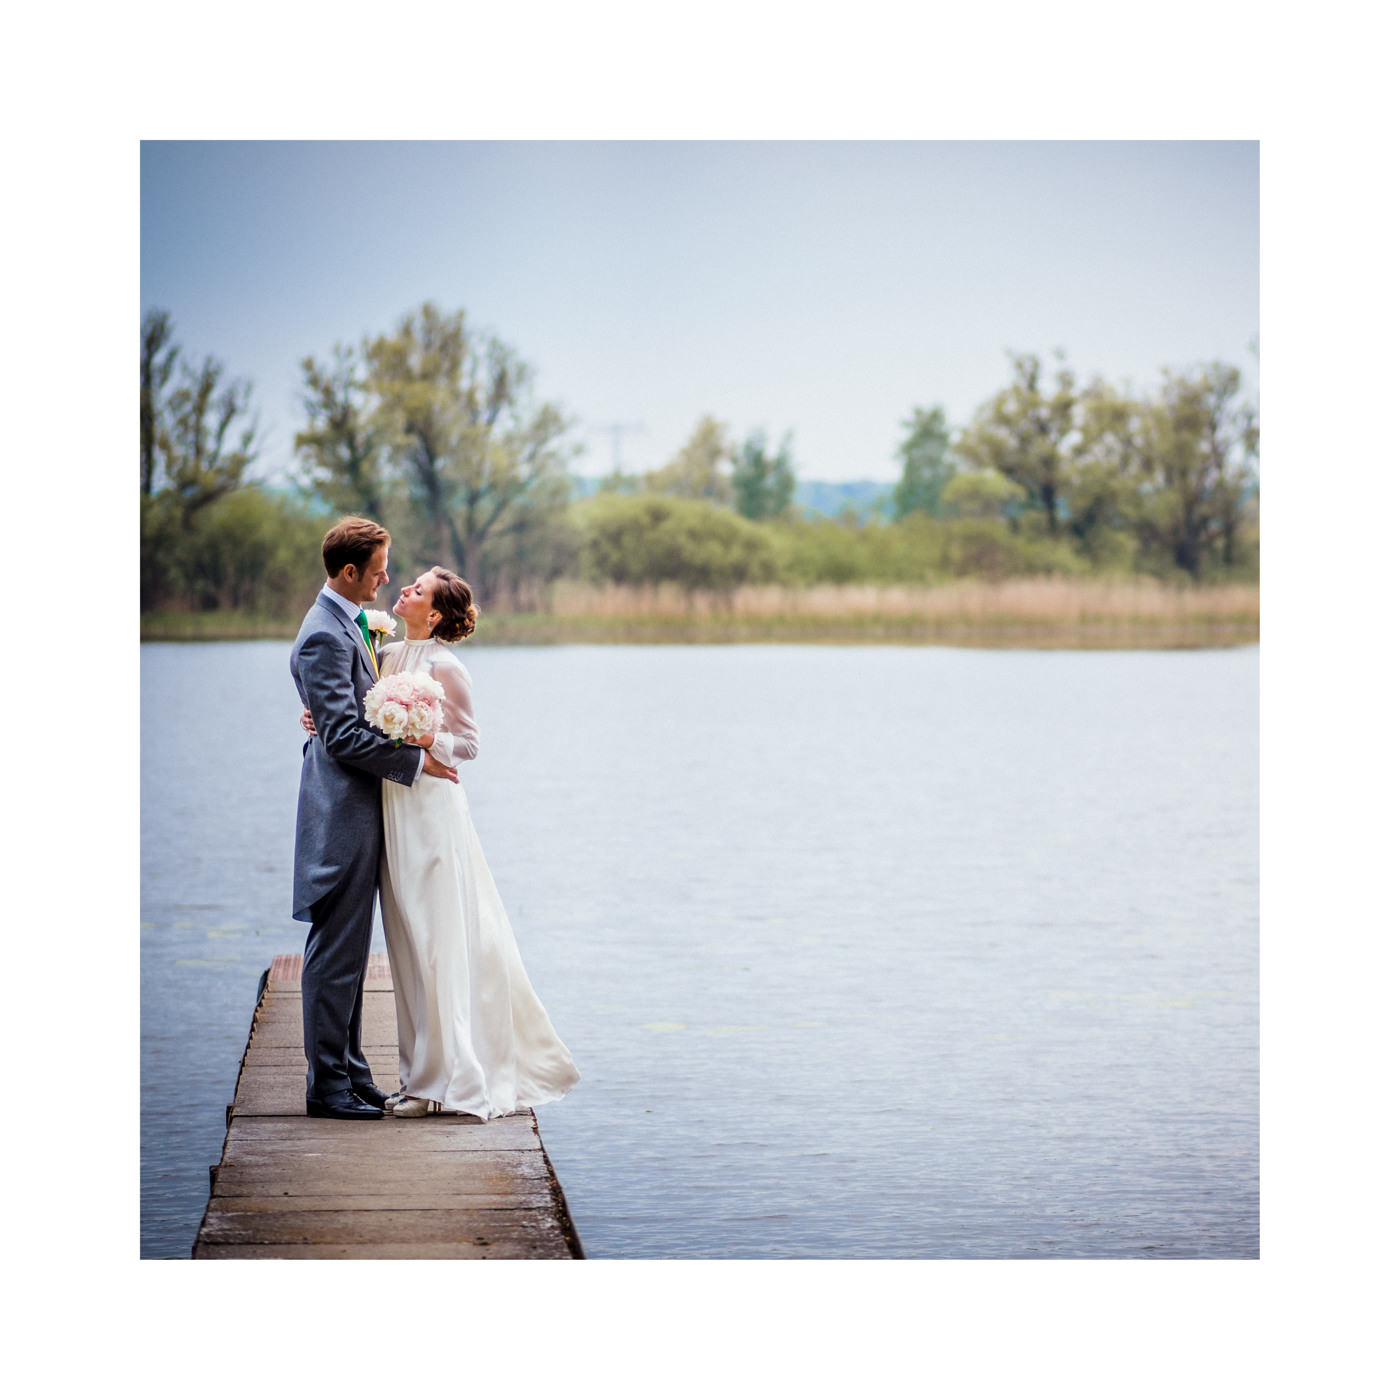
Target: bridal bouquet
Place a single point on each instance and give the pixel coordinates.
(405, 705)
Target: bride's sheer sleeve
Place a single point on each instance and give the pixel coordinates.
(459, 737)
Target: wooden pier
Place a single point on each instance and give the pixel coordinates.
(440, 1187)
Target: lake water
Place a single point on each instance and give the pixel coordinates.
(876, 952)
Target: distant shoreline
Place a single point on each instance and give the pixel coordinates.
(1090, 614)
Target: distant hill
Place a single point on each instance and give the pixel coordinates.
(867, 499)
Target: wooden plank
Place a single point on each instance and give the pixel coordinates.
(289, 1003)
(379, 1173)
(285, 973)
(437, 1132)
(292, 1055)
(445, 1186)
(411, 1187)
(498, 1249)
(286, 1032)
(377, 1015)
(255, 1204)
(472, 1226)
(377, 1157)
(281, 1089)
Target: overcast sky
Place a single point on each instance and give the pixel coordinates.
(819, 287)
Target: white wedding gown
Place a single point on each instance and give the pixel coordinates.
(472, 1033)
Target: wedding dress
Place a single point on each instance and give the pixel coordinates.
(472, 1033)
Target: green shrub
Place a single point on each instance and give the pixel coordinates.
(251, 550)
(656, 539)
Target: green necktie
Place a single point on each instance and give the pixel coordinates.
(364, 632)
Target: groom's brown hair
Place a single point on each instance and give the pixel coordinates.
(351, 541)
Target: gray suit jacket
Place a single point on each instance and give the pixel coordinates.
(338, 809)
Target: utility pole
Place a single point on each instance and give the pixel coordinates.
(617, 430)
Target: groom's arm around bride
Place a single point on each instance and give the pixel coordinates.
(330, 687)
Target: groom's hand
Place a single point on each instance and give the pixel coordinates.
(433, 769)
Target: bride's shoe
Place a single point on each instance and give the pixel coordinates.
(413, 1108)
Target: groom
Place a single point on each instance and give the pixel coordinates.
(339, 831)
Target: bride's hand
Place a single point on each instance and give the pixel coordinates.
(433, 769)
(424, 741)
(306, 723)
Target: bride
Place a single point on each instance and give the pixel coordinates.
(473, 1036)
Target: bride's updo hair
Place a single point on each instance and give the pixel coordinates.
(452, 597)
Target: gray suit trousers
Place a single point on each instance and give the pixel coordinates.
(333, 978)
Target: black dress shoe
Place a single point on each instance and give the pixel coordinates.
(370, 1093)
(342, 1103)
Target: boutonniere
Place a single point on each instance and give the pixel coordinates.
(381, 626)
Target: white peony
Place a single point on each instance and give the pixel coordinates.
(393, 719)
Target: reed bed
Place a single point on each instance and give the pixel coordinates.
(1059, 612)
(222, 625)
(1135, 600)
(1022, 612)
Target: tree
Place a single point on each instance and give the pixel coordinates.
(195, 449)
(1023, 433)
(533, 545)
(476, 453)
(158, 357)
(763, 485)
(205, 448)
(1104, 467)
(979, 495)
(192, 444)
(343, 445)
(1200, 447)
(253, 551)
(1232, 447)
(927, 469)
(697, 470)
